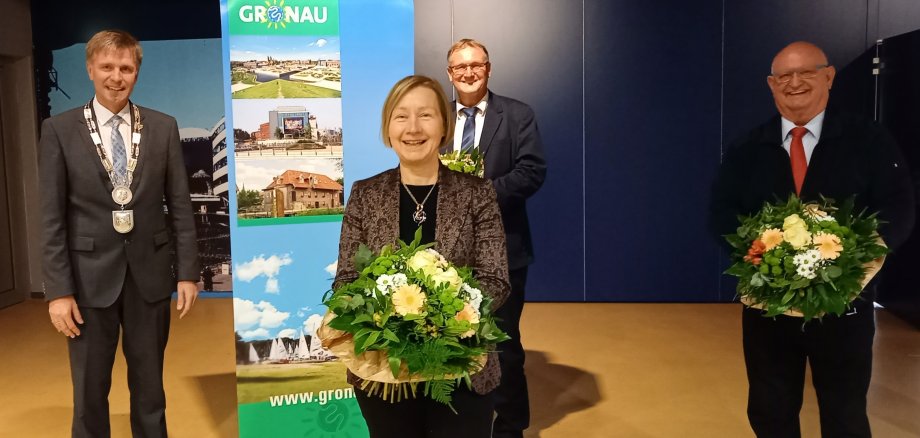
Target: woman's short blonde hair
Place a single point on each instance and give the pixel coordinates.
(114, 40)
(404, 86)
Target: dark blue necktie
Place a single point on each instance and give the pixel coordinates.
(469, 130)
(119, 155)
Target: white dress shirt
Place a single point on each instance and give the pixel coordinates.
(811, 138)
(103, 115)
(461, 120)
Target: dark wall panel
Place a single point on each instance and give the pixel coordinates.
(896, 17)
(755, 31)
(652, 138)
(433, 36)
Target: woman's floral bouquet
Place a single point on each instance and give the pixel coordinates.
(805, 259)
(412, 317)
(464, 162)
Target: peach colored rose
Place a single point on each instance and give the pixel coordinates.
(468, 314)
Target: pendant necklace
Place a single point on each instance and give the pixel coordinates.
(419, 215)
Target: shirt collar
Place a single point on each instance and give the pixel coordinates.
(482, 105)
(813, 126)
(103, 115)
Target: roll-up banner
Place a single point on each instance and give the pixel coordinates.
(304, 82)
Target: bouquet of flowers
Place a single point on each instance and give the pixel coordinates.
(469, 162)
(805, 260)
(410, 317)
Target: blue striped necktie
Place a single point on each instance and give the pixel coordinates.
(119, 156)
(469, 130)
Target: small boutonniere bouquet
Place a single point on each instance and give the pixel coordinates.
(410, 317)
(805, 260)
(464, 162)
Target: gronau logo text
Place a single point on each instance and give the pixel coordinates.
(277, 14)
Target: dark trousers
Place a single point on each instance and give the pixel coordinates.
(145, 327)
(421, 417)
(512, 405)
(839, 350)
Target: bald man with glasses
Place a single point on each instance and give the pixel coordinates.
(811, 151)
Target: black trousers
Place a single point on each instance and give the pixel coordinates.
(512, 405)
(422, 417)
(839, 350)
(145, 328)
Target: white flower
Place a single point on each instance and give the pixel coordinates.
(806, 272)
(475, 295)
(399, 280)
(813, 255)
(807, 263)
(801, 259)
(385, 284)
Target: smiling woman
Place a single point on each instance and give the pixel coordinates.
(416, 125)
(458, 215)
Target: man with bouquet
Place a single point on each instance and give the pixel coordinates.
(504, 132)
(811, 152)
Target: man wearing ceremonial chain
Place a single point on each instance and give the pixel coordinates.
(107, 169)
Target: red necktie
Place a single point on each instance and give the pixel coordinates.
(797, 157)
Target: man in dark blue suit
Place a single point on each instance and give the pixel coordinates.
(810, 151)
(505, 132)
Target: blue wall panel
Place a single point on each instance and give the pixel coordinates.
(652, 139)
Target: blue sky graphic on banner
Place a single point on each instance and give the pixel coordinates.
(246, 47)
(280, 282)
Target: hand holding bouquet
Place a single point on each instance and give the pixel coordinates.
(470, 163)
(412, 317)
(805, 259)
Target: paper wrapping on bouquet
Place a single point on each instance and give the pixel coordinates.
(872, 268)
(371, 365)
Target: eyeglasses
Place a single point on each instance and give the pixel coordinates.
(803, 74)
(476, 67)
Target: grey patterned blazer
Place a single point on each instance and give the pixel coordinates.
(468, 233)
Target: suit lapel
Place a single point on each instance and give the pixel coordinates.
(829, 131)
(452, 202)
(387, 229)
(88, 149)
(493, 119)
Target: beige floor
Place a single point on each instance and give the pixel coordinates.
(595, 370)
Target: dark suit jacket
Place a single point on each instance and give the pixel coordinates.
(852, 157)
(83, 255)
(513, 158)
(468, 233)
